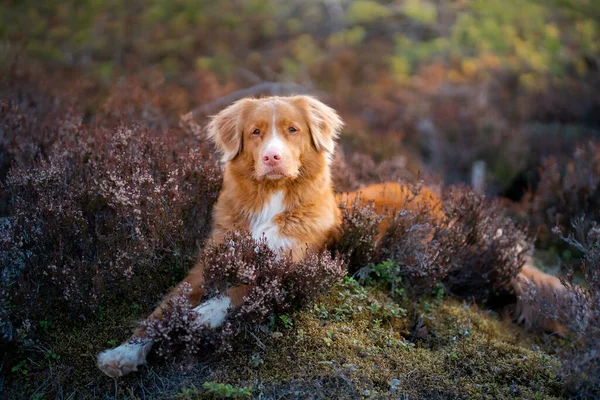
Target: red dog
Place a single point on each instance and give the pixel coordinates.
(277, 184)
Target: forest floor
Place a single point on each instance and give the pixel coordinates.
(354, 342)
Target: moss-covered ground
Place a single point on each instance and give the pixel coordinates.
(354, 342)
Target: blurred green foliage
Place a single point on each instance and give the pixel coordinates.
(525, 37)
(394, 65)
(297, 40)
(366, 11)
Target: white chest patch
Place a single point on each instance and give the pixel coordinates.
(262, 224)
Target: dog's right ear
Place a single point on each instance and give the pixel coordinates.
(225, 129)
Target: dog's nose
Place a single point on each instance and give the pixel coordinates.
(271, 158)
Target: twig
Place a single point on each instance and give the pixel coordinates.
(251, 76)
(260, 344)
(273, 88)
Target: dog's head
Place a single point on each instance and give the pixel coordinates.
(276, 138)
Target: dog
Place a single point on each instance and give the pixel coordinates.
(277, 184)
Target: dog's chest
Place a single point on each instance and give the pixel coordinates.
(263, 226)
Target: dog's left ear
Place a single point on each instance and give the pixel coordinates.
(323, 121)
(225, 129)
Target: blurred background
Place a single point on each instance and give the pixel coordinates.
(476, 91)
(491, 93)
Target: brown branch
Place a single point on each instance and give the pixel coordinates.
(272, 88)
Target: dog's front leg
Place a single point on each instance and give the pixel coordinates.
(213, 312)
(127, 357)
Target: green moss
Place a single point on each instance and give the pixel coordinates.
(461, 353)
(354, 342)
(65, 359)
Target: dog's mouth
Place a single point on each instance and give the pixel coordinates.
(275, 174)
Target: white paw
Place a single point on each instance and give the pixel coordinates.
(214, 311)
(124, 359)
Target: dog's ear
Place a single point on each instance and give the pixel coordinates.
(225, 129)
(323, 121)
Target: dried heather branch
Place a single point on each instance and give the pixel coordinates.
(277, 284)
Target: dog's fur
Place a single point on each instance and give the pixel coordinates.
(277, 184)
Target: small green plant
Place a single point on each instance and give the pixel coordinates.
(191, 392)
(387, 273)
(51, 355)
(20, 368)
(374, 307)
(287, 321)
(392, 310)
(135, 308)
(439, 292)
(321, 310)
(226, 390)
(428, 306)
(256, 360)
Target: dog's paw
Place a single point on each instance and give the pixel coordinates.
(213, 312)
(124, 359)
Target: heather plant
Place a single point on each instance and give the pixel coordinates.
(484, 248)
(178, 331)
(566, 191)
(350, 172)
(26, 124)
(276, 285)
(101, 212)
(358, 233)
(578, 309)
(474, 250)
(413, 242)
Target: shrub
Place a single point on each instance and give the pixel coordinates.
(277, 284)
(414, 241)
(579, 309)
(474, 250)
(26, 123)
(485, 248)
(565, 192)
(359, 230)
(101, 213)
(387, 272)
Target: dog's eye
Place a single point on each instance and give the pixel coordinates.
(291, 129)
(256, 132)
